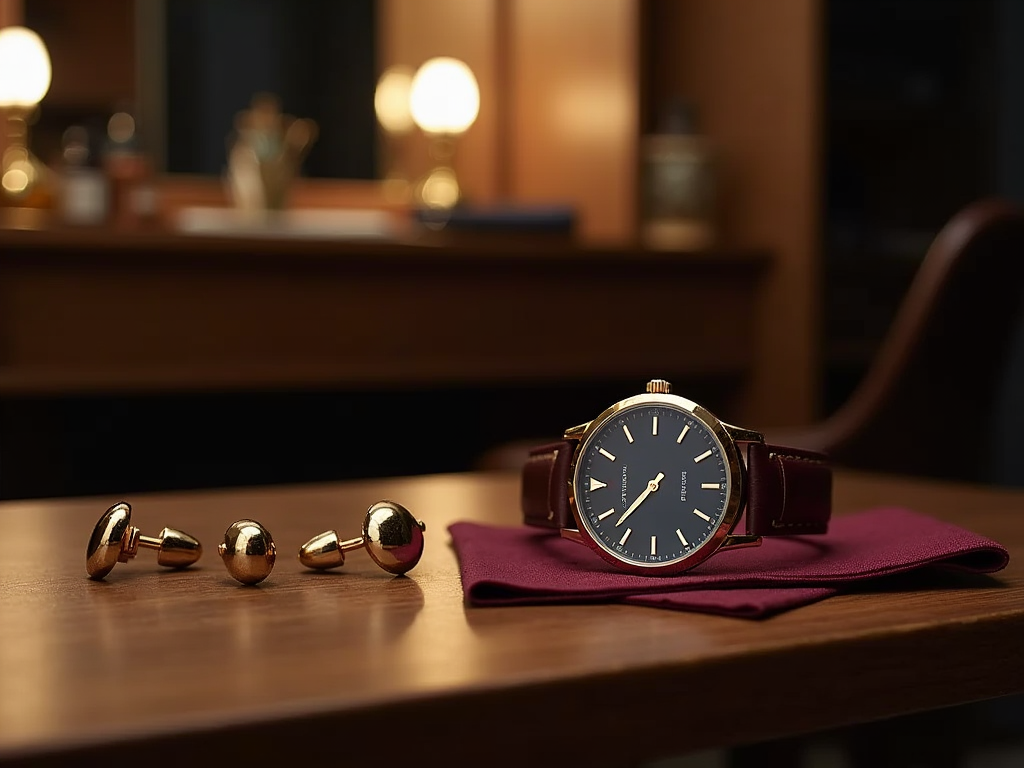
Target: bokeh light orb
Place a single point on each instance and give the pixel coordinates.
(445, 97)
(24, 68)
(391, 99)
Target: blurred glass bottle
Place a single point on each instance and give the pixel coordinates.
(26, 183)
(83, 193)
(679, 183)
(132, 190)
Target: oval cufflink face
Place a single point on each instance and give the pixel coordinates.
(105, 543)
(248, 551)
(394, 538)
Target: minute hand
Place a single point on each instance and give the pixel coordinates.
(651, 488)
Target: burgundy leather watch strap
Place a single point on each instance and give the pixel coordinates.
(789, 491)
(545, 499)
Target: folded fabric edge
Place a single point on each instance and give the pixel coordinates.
(753, 604)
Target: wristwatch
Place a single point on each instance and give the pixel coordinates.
(657, 484)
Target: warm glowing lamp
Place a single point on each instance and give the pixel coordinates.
(391, 103)
(391, 100)
(24, 80)
(444, 101)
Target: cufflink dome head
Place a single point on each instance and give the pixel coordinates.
(323, 551)
(248, 551)
(105, 544)
(394, 538)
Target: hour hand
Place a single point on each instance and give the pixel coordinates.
(652, 486)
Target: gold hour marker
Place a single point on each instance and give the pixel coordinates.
(608, 456)
(595, 484)
(705, 486)
(682, 538)
(683, 433)
(654, 426)
(698, 459)
(701, 515)
(603, 515)
(654, 545)
(629, 435)
(625, 536)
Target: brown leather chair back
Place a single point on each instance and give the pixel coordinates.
(935, 392)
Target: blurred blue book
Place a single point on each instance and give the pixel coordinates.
(546, 219)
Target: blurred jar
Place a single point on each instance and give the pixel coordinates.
(83, 193)
(133, 199)
(679, 184)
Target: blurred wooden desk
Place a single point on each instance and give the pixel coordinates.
(360, 668)
(100, 311)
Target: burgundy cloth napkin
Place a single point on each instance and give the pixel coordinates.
(521, 565)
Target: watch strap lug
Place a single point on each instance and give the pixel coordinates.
(576, 433)
(572, 534)
(740, 541)
(743, 435)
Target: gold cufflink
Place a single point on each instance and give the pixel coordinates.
(391, 536)
(115, 540)
(248, 551)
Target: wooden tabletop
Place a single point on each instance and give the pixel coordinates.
(360, 666)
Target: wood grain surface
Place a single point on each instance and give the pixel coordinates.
(358, 666)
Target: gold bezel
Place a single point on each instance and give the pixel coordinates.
(734, 476)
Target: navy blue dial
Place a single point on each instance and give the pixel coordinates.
(652, 484)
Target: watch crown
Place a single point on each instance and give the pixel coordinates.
(659, 387)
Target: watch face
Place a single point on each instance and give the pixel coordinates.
(653, 482)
